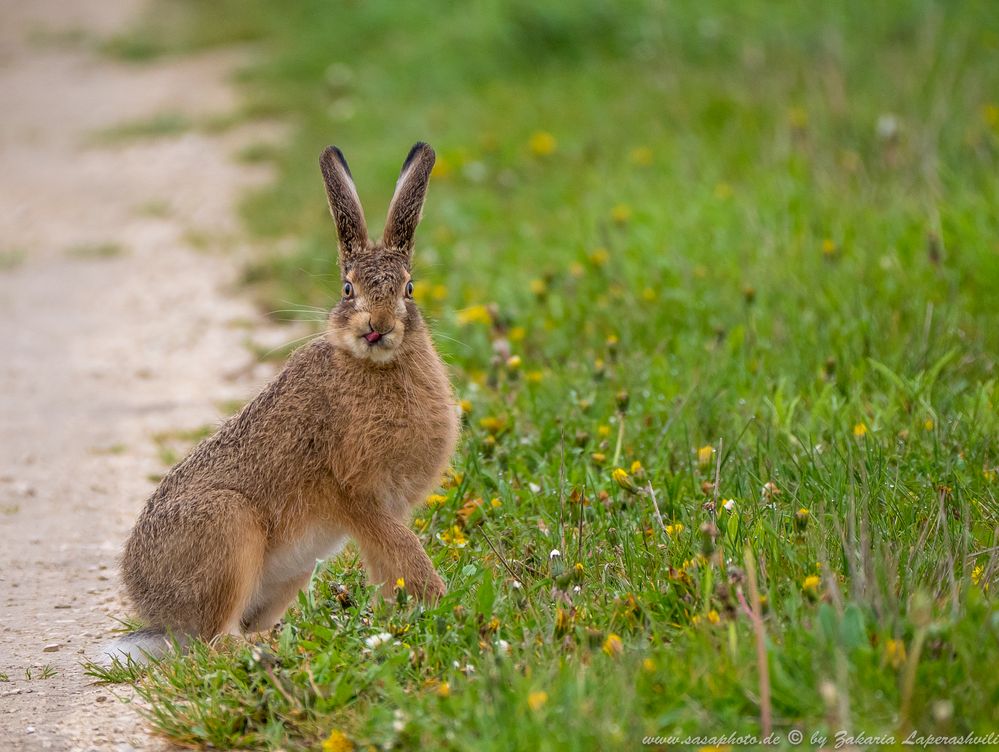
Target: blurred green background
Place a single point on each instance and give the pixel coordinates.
(737, 244)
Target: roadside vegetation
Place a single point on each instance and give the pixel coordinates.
(718, 287)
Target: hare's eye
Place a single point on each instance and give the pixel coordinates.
(409, 289)
(348, 290)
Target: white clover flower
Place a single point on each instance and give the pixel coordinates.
(376, 641)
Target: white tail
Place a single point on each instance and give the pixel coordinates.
(139, 646)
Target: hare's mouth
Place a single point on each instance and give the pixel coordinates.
(374, 336)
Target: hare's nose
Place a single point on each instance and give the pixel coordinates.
(381, 325)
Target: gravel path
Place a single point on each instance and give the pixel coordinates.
(113, 328)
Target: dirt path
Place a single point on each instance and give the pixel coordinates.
(112, 328)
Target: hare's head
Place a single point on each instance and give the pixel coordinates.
(376, 312)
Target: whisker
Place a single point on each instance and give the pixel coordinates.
(292, 342)
(438, 335)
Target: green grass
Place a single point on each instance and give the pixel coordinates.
(12, 258)
(753, 249)
(161, 125)
(103, 250)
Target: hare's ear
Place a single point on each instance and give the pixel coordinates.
(345, 206)
(407, 203)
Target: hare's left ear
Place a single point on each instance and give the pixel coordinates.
(345, 206)
(407, 203)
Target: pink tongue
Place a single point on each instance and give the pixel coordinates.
(372, 337)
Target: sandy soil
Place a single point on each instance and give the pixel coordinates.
(112, 328)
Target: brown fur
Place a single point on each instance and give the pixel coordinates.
(345, 440)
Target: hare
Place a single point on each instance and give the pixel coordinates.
(355, 430)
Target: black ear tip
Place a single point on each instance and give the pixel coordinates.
(333, 152)
(419, 148)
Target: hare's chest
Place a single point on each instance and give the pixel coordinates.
(400, 447)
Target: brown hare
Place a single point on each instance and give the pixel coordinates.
(355, 430)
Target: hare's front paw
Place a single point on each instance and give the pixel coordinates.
(434, 590)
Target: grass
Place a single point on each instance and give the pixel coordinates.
(12, 258)
(717, 286)
(161, 125)
(103, 250)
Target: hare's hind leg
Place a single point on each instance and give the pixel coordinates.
(391, 551)
(232, 551)
(192, 565)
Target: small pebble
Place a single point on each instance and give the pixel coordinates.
(53, 648)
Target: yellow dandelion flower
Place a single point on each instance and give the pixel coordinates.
(542, 143)
(695, 619)
(435, 500)
(438, 293)
(476, 314)
(599, 257)
(895, 653)
(337, 741)
(517, 333)
(400, 583)
(989, 474)
(829, 247)
(604, 430)
(492, 424)
(860, 430)
(797, 117)
(452, 478)
(466, 406)
(495, 503)
(976, 577)
(598, 457)
(674, 530)
(537, 700)
(928, 424)
(640, 156)
(611, 341)
(535, 377)
(990, 114)
(454, 537)
(514, 362)
(649, 666)
(444, 690)
(811, 583)
(613, 645)
(648, 294)
(538, 286)
(713, 617)
(704, 455)
(621, 477)
(621, 214)
(636, 468)
(443, 167)
(801, 519)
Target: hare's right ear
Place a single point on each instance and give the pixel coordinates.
(345, 206)
(407, 203)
